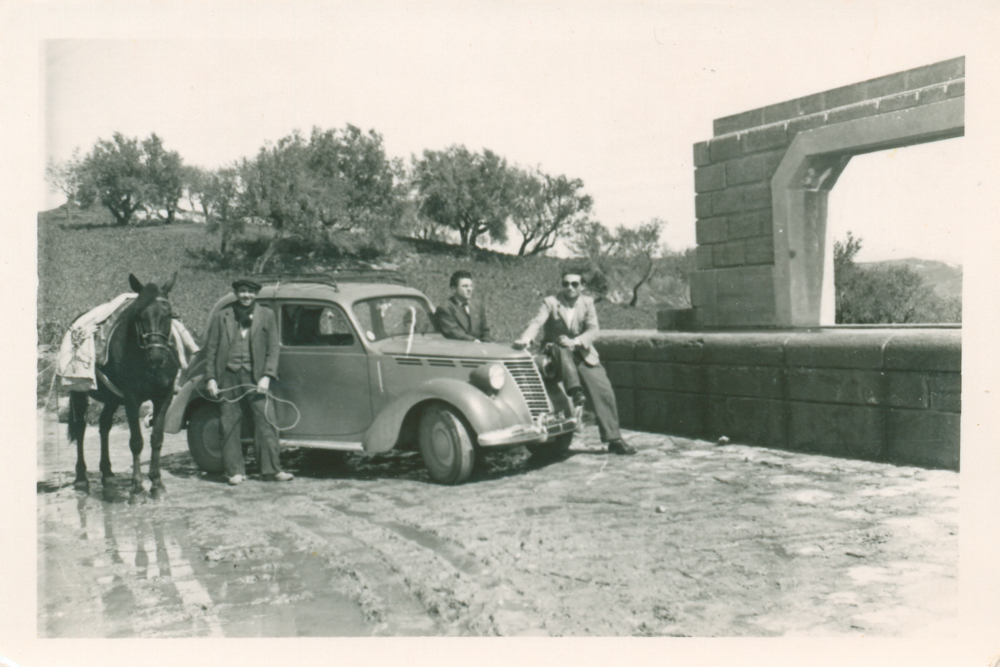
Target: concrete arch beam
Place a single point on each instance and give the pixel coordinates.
(803, 255)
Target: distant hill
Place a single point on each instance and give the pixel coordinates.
(943, 278)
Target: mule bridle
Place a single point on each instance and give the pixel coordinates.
(149, 340)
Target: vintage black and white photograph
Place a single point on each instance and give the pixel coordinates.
(504, 320)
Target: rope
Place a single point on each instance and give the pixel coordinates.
(252, 389)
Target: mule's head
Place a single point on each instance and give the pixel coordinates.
(152, 321)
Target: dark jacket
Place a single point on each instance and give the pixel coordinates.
(223, 329)
(454, 323)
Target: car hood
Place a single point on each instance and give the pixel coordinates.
(436, 345)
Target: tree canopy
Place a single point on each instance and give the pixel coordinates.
(472, 193)
(546, 209)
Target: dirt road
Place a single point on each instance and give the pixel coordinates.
(685, 539)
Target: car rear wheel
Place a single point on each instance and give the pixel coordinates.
(553, 449)
(445, 445)
(204, 436)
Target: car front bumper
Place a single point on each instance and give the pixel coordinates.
(542, 430)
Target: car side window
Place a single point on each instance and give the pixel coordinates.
(314, 326)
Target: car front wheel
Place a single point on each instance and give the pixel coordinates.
(204, 436)
(445, 445)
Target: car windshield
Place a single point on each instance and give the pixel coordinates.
(393, 316)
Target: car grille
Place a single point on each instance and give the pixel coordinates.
(525, 374)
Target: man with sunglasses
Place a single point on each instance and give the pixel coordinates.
(568, 322)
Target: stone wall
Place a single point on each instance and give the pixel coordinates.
(739, 281)
(890, 395)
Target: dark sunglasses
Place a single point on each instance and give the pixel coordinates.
(573, 283)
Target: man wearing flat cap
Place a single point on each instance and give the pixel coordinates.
(241, 355)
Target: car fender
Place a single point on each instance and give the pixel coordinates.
(482, 412)
(179, 405)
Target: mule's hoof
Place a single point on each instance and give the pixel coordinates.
(82, 485)
(157, 491)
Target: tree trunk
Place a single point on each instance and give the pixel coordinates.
(258, 266)
(635, 290)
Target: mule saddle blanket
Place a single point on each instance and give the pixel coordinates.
(84, 348)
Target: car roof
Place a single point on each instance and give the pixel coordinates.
(343, 293)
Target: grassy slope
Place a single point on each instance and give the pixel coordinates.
(84, 266)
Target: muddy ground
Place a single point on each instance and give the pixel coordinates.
(687, 538)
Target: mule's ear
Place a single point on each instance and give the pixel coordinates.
(165, 290)
(134, 283)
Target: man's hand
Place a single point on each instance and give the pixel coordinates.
(520, 344)
(263, 384)
(213, 388)
(566, 341)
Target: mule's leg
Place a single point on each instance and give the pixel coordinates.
(135, 443)
(155, 444)
(77, 426)
(104, 428)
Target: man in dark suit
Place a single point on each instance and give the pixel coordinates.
(568, 322)
(461, 318)
(241, 355)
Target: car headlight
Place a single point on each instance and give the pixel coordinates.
(490, 378)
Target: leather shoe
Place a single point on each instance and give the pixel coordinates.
(577, 396)
(279, 477)
(235, 480)
(620, 447)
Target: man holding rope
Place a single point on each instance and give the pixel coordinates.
(241, 356)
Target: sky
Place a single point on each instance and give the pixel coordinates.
(613, 93)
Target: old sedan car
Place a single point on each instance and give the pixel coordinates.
(363, 368)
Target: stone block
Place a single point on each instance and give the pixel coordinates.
(886, 85)
(676, 319)
(932, 95)
(956, 88)
(711, 230)
(729, 200)
(670, 348)
(906, 390)
(837, 349)
(739, 313)
(924, 438)
(737, 122)
(703, 205)
(749, 224)
(617, 347)
(760, 250)
(835, 385)
(702, 156)
(671, 377)
(805, 123)
(781, 111)
(851, 431)
(752, 381)
(710, 178)
(625, 401)
(772, 136)
(702, 288)
(897, 102)
(703, 257)
(845, 95)
(750, 421)
(745, 281)
(670, 412)
(745, 349)
(725, 148)
(730, 253)
(850, 113)
(757, 196)
(620, 373)
(760, 167)
(928, 75)
(925, 351)
(945, 390)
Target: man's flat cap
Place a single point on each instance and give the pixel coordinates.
(246, 282)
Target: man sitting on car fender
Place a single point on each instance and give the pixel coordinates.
(569, 323)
